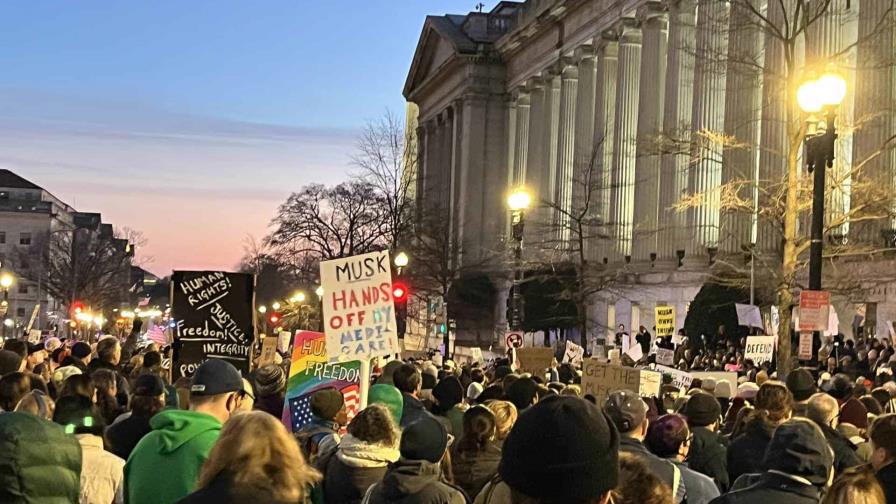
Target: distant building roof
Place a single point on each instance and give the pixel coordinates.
(10, 179)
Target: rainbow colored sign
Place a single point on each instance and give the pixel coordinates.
(309, 372)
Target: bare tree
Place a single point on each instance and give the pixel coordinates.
(137, 241)
(386, 161)
(331, 222)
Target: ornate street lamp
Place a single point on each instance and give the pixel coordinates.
(518, 202)
(819, 99)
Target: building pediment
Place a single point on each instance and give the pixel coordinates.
(441, 40)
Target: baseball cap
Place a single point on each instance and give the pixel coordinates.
(626, 410)
(216, 377)
(34, 348)
(149, 385)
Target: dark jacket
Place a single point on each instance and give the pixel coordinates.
(354, 468)
(415, 482)
(662, 468)
(844, 451)
(708, 455)
(222, 490)
(887, 479)
(412, 411)
(122, 437)
(772, 489)
(472, 470)
(39, 462)
(745, 453)
(73, 361)
(699, 488)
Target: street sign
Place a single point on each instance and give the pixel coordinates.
(514, 339)
(805, 346)
(814, 310)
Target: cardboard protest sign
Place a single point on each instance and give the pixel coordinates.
(665, 321)
(268, 351)
(760, 349)
(665, 356)
(215, 318)
(535, 360)
(359, 312)
(310, 371)
(680, 379)
(600, 379)
(476, 353)
(649, 383)
(814, 310)
(748, 315)
(635, 352)
(574, 353)
(805, 352)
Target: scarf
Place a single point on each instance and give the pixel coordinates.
(356, 453)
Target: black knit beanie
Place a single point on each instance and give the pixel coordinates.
(702, 409)
(270, 380)
(563, 449)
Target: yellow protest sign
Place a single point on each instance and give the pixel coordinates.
(665, 321)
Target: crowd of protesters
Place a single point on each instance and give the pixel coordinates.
(85, 423)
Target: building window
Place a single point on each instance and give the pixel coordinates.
(23, 288)
(2, 237)
(25, 239)
(20, 312)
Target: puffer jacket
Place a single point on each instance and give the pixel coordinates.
(39, 462)
(745, 453)
(414, 482)
(472, 470)
(354, 467)
(708, 455)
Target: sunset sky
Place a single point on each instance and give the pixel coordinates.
(192, 121)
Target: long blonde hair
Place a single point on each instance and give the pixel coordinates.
(259, 454)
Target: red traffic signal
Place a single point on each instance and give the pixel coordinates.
(274, 319)
(77, 307)
(399, 292)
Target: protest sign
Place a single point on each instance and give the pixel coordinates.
(680, 379)
(359, 312)
(268, 351)
(476, 354)
(635, 352)
(718, 376)
(649, 383)
(814, 310)
(760, 349)
(748, 315)
(535, 360)
(665, 356)
(600, 379)
(574, 353)
(805, 352)
(665, 321)
(310, 371)
(214, 318)
(284, 338)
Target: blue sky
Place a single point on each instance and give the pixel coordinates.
(192, 120)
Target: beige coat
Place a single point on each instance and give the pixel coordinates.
(102, 474)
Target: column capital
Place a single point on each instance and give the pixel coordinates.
(569, 68)
(629, 30)
(520, 95)
(584, 52)
(651, 11)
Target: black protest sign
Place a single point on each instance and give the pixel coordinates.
(214, 314)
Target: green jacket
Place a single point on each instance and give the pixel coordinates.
(165, 464)
(39, 462)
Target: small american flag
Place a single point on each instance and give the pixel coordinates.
(352, 394)
(300, 409)
(143, 302)
(157, 335)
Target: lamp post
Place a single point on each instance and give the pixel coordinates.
(320, 308)
(518, 202)
(819, 96)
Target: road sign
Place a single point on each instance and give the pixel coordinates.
(805, 346)
(814, 310)
(514, 339)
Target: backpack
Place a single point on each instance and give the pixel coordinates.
(309, 441)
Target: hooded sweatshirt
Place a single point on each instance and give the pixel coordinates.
(165, 464)
(415, 482)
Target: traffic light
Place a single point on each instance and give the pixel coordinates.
(274, 319)
(400, 296)
(77, 307)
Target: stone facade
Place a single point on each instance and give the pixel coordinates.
(530, 93)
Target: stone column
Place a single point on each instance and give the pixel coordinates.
(521, 144)
(551, 133)
(677, 110)
(511, 139)
(420, 187)
(650, 122)
(623, 181)
(740, 165)
(586, 168)
(569, 81)
(604, 134)
(534, 159)
(708, 115)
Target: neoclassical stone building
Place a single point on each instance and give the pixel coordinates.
(654, 111)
